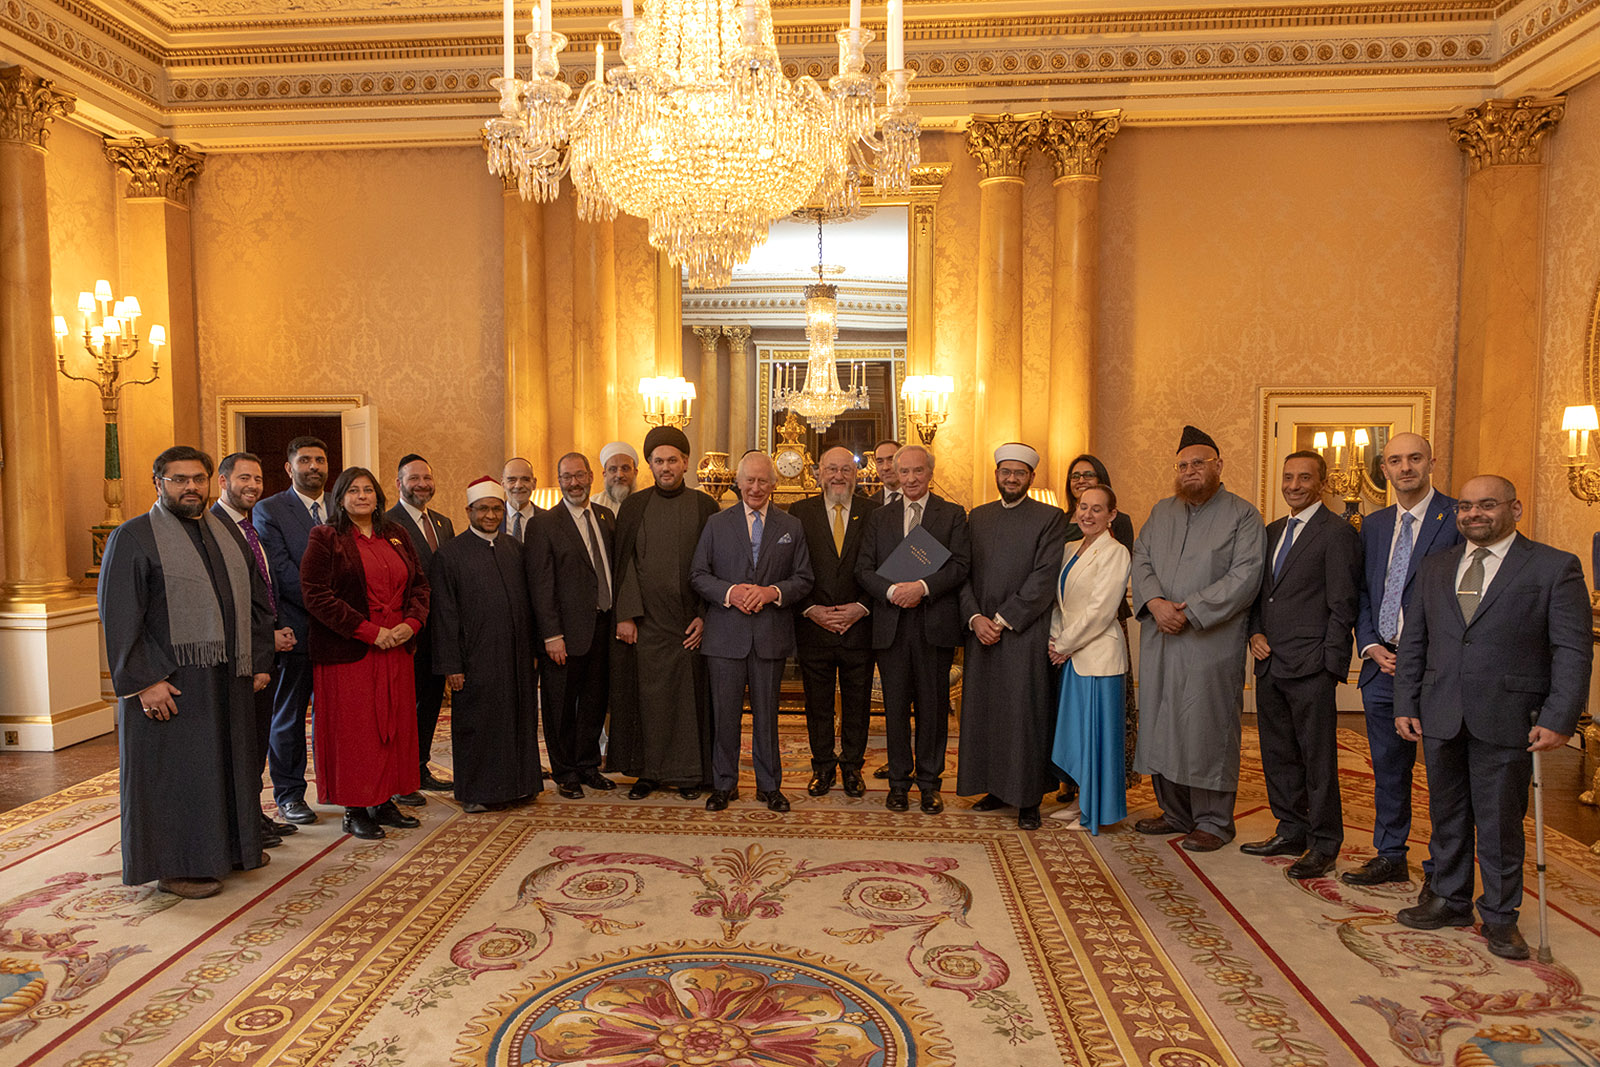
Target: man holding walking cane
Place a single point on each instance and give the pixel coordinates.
(1498, 637)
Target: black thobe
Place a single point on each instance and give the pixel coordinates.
(1008, 707)
(661, 730)
(482, 627)
(190, 786)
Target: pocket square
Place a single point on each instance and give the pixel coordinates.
(785, 539)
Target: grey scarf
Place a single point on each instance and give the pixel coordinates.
(194, 618)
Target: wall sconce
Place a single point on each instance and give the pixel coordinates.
(667, 401)
(927, 400)
(1583, 477)
(1044, 496)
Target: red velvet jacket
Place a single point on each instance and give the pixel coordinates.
(334, 585)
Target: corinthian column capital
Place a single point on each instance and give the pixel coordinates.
(1077, 140)
(1000, 143)
(27, 105)
(156, 166)
(1503, 132)
(738, 337)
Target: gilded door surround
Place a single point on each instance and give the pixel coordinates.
(231, 411)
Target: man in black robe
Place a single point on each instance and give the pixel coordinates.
(1008, 708)
(482, 629)
(189, 637)
(661, 730)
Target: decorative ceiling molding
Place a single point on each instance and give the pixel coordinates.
(245, 74)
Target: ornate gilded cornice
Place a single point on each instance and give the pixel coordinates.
(156, 166)
(1077, 140)
(1498, 133)
(1000, 143)
(27, 105)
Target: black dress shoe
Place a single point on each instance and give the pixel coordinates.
(898, 800)
(775, 800)
(1435, 913)
(595, 780)
(881, 772)
(1377, 871)
(691, 792)
(720, 799)
(410, 800)
(434, 784)
(272, 828)
(297, 811)
(854, 786)
(1028, 818)
(988, 802)
(1314, 864)
(1276, 845)
(570, 790)
(271, 841)
(641, 789)
(820, 784)
(932, 802)
(358, 822)
(1505, 941)
(1427, 893)
(475, 809)
(386, 814)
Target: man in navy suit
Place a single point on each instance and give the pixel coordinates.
(1394, 543)
(916, 627)
(283, 521)
(751, 567)
(427, 530)
(1497, 638)
(1300, 638)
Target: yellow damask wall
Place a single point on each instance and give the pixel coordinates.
(372, 272)
(1268, 256)
(1571, 275)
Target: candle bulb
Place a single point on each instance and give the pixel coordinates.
(545, 21)
(599, 63)
(897, 45)
(507, 21)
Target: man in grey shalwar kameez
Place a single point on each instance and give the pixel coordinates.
(1196, 571)
(1008, 709)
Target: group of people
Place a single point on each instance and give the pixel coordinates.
(661, 616)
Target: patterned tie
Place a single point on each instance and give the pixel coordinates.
(1471, 591)
(249, 529)
(516, 527)
(838, 528)
(916, 515)
(316, 513)
(428, 534)
(599, 561)
(755, 539)
(1394, 582)
(1283, 553)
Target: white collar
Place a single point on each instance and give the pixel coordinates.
(308, 501)
(1306, 515)
(487, 537)
(416, 516)
(235, 515)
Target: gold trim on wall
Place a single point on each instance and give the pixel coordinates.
(230, 409)
(1591, 366)
(1418, 399)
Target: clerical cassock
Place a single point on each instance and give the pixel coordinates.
(483, 642)
(180, 603)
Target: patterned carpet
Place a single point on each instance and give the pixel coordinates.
(655, 934)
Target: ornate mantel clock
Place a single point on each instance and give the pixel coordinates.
(797, 478)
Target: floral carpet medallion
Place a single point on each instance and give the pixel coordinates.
(613, 933)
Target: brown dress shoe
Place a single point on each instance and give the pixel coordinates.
(190, 888)
(1202, 841)
(1158, 825)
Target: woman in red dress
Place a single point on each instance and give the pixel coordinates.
(367, 597)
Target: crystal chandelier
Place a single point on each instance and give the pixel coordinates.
(820, 400)
(699, 132)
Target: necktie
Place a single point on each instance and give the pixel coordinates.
(893, 496)
(1283, 553)
(755, 539)
(1394, 582)
(316, 513)
(427, 532)
(838, 528)
(599, 561)
(916, 515)
(1471, 591)
(249, 529)
(516, 527)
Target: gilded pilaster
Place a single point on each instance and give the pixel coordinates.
(1497, 350)
(34, 522)
(740, 412)
(708, 407)
(1000, 144)
(1076, 142)
(527, 423)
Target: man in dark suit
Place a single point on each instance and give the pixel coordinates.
(1497, 638)
(883, 461)
(570, 548)
(519, 482)
(427, 530)
(833, 640)
(1300, 632)
(283, 522)
(1394, 543)
(916, 627)
(239, 483)
(751, 567)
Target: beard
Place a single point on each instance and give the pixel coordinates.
(1199, 495)
(616, 493)
(184, 508)
(1012, 498)
(839, 494)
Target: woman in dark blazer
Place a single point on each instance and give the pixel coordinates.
(367, 597)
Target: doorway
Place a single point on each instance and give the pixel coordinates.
(268, 436)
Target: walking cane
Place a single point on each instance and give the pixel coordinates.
(1538, 861)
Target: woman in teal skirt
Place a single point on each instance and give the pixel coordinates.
(1086, 642)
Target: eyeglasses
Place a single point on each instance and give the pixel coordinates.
(1192, 464)
(1467, 507)
(1083, 476)
(178, 481)
(581, 476)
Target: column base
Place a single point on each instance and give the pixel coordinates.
(54, 698)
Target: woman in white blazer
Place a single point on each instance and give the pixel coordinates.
(1086, 642)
